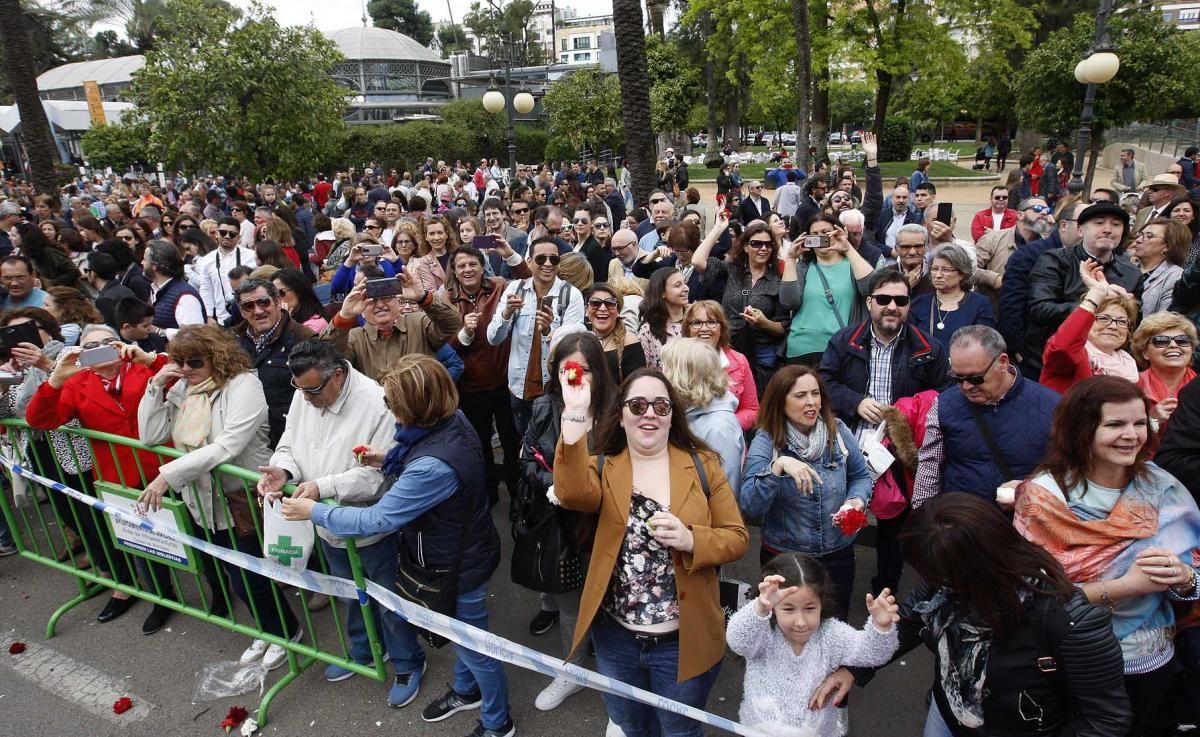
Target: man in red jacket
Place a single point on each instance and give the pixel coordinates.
(996, 217)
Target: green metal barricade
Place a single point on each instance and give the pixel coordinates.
(48, 525)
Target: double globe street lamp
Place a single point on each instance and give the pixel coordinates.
(1099, 67)
(494, 101)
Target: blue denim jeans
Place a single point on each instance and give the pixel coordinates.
(399, 639)
(935, 725)
(475, 672)
(654, 668)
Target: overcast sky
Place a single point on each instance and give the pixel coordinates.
(331, 15)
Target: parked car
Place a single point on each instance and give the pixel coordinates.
(856, 137)
(788, 139)
(835, 138)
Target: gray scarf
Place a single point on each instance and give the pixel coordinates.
(811, 447)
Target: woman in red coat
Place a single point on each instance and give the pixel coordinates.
(1094, 339)
(105, 398)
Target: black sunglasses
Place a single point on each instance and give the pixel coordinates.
(250, 304)
(973, 379)
(639, 405)
(542, 258)
(1162, 341)
(227, 233)
(883, 300)
(596, 303)
(761, 244)
(316, 389)
(195, 362)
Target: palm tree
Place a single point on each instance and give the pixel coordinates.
(22, 78)
(635, 96)
(142, 18)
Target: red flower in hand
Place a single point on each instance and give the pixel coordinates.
(16, 648)
(574, 372)
(236, 716)
(122, 705)
(850, 520)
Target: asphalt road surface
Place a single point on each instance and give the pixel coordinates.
(63, 687)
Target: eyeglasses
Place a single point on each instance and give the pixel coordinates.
(943, 270)
(760, 244)
(1162, 341)
(974, 379)
(1107, 320)
(225, 233)
(109, 341)
(1039, 209)
(316, 389)
(283, 291)
(883, 300)
(638, 406)
(581, 221)
(542, 258)
(1145, 235)
(710, 324)
(195, 362)
(262, 303)
(600, 225)
(839, 198)
(596, 303)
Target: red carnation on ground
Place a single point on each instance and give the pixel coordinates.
(850, 520)
(236, 716)
(16, 648)
(122, 705)
(574, 372)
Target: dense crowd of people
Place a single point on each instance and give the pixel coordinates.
(636, 383)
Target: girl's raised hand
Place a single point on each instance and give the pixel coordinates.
(884, 610)
(769, 594)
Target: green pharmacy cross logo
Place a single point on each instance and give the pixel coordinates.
(283, 551)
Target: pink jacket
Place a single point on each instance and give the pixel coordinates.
(741, 386)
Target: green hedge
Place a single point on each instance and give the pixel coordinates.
(897, 140)
(406, 145)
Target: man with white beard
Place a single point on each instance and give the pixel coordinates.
(992, 251)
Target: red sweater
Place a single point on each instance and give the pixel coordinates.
(741, 385)
(1065, 360)
(83, 397)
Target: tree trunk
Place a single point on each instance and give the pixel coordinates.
(820, 88)
(803, 81)
(883, 93)
(712, 71)
(979, 131)
(22, 77)
(732, 129)
(635, 96)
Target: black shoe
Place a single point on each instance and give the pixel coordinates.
(115, 608)
(508, 730)
(159, 616)
(542, 623)
(450, 704)
(217, 606)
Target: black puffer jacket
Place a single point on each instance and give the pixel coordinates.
(537, 473)
(1062, 663)
(271, 366)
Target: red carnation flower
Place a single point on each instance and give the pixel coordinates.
(16, 648)
(122, 705)
(850, 520)
(574, 372)
(236, 716)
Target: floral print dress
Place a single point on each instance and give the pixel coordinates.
(641, 592)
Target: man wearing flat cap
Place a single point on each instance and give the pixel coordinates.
(1055, 286)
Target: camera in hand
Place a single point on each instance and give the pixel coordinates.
(99, 355)
(384, 287)
(816, 241)
(13, 335)
(371, 251)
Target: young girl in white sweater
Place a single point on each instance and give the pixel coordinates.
(791, 643)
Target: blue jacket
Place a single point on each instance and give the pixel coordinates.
(717, 425)
(1014, 294)
(804, 522)
(1020, 423)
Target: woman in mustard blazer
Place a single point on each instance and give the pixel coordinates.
(667, 519)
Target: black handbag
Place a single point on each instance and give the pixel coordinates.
(544, 557)
(435, 589)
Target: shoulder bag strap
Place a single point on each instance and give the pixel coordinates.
(990, 439)
(828, 294)
(701, 473)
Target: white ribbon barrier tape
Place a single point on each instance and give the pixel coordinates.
(457, 632)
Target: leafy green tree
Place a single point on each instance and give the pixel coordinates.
(453, 38)
(108, 45)
(507, 33)
(585, 109)
(486, 129)
(402, 16)
(1156, 79)
(119, 145)
(850, 103)
(240, 95)
(675, 84)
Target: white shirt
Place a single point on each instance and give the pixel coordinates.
(246, 239)
(212, 273)
(188, 311)
(894, 228)
(997, 219)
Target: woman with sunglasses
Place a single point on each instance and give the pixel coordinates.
(1165, 343)
(1160, 251)
(587, 240)
(1094, 339)
(667, 519)
(623, 351)
(706, 320)
(1126, 531)
(208, 402)
(805, 466)
(300, 299)
(824, 287)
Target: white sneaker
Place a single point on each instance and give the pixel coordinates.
(254, 652)
(556, 693)
(276, 655)
(613, 730)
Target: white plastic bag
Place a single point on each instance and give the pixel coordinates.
(286, 542)
(228, 678)
(879, 458)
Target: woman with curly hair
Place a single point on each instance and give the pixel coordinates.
(441, 237)
(208, 402)
(72, 309)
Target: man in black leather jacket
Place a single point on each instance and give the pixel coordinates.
(1055, 286)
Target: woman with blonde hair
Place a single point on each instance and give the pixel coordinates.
(1094, 339)
(208, 402)
(694, 369)
(576, 271)
(706, 320)
(1164, 343)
